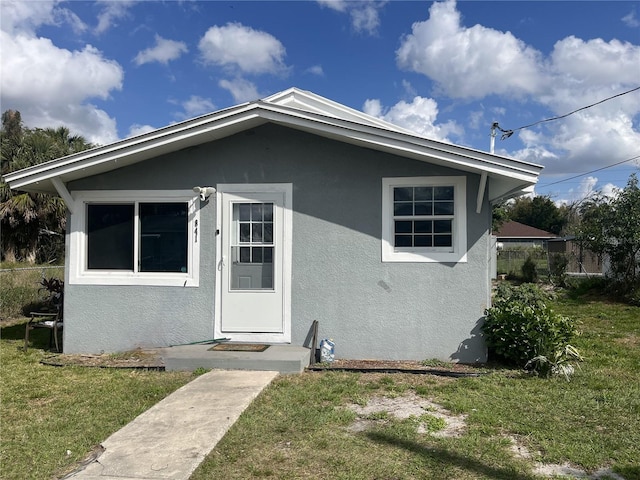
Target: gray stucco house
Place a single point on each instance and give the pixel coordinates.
(253, 221)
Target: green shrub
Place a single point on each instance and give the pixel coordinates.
(521, 326)
(558, 264)
(633, 297)
(529, 270)
(579, 286)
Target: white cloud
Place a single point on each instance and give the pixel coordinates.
(476, 62)
(43, 73)
(162, 52)
(579, 63)
(587, 188)
(365, 18)
(85, 119)
(531, 153)
(137, 129)
(315, 70)
(240, 48)
(408, 88)
(364, 14)
(25, 17)
(70, 18)
(112, 11)
(52, 86)
(419, 116)
(469, 62)
(20, 16)
(610, 190)
(195, 106)
(338, 5)
(242, 90)
(373, 107)
(476, 119)
(631, 20)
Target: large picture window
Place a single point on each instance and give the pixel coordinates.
(424, 219)
(147, 238)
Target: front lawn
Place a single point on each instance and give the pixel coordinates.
(300, 428)
(344, 425)
(52, 417)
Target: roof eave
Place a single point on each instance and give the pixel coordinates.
(509, 175)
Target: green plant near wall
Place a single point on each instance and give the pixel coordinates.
(529, 270)
(521, 329)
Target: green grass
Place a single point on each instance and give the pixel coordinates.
(52, 417)
(298, 427)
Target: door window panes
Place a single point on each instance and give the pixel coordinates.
(252, 246)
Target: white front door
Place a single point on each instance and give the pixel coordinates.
(254, 262)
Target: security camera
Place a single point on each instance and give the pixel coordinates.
(205, 192)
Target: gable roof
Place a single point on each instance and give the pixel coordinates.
(293, 108)
(516, 230)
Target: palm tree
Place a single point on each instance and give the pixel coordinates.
(25, 216)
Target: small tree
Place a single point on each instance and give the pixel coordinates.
(611, 227)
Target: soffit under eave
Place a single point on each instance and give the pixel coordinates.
(502, 188)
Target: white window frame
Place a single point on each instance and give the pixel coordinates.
(457, 253)
(79, 274)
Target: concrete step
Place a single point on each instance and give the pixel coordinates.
(278, 358)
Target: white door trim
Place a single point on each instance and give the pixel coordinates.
(239, 188)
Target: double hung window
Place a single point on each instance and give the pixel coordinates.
(424, 219)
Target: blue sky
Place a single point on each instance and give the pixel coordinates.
(447, 70)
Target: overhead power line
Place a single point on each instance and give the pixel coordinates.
(507, 133)
(589, 173)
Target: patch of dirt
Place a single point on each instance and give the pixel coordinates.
(135, 359)
(629, 341)
(402, 407)
(549, 470)
(400, 365)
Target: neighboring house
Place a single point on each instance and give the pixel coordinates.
(580, 261)
(516, 234)
(310, 210)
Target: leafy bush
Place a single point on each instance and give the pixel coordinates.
(558, 264)
(529, 272)
(559, 364)
(521, 326)
(580, 286)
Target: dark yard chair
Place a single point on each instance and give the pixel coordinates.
(49, 320)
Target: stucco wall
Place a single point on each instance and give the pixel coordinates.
(371, 309)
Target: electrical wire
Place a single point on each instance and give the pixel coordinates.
(507, 133)
(589, 173)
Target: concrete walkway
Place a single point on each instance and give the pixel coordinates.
(173, 437)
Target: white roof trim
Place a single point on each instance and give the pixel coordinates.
(293, 108)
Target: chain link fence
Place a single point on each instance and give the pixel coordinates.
(20, 287)
(510, 261)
